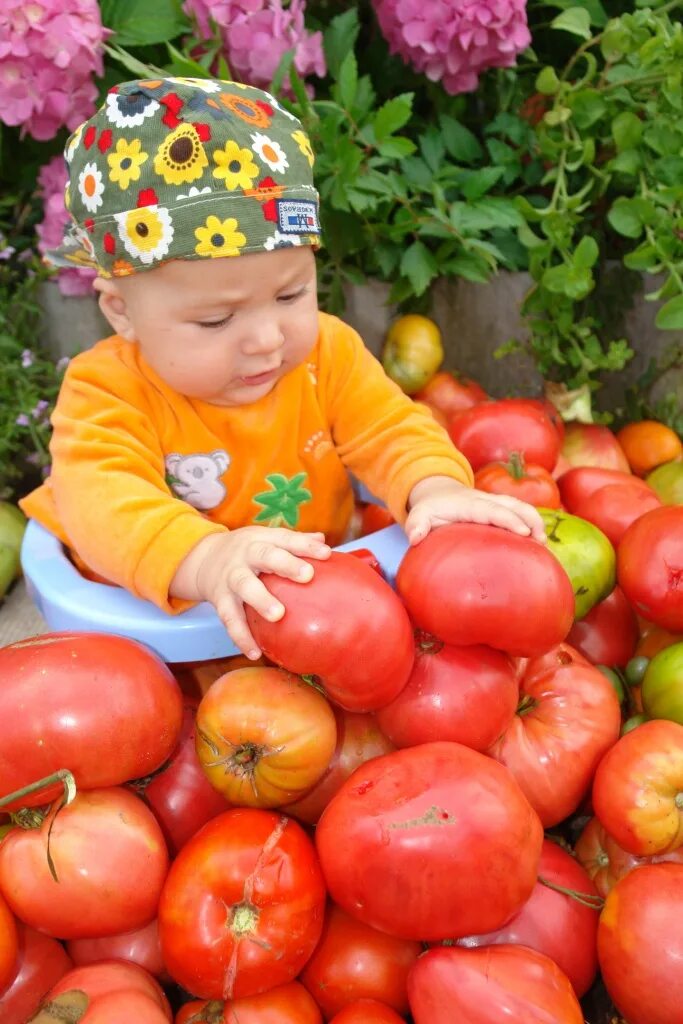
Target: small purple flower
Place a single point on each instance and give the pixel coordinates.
(22, 420)
(62, 364)
(27, 358)
(8, 251)
(33, 459)
(40, 408)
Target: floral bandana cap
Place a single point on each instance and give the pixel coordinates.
(186, 168)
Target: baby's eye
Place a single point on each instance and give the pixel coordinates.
(215, 323)
(291, 296)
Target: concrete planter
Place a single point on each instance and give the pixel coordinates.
(475, 319)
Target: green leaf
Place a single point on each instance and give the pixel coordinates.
(587, 106)
(392, 115)
(477, 183)
(348, 80)
(396, 147)
(339, 39)
(185, 66)
(625, 218)
(460, 142)
(586, 253)
(574, 282)
(576, 20)
(628, 162)
(596, 11)
(469, 266)
(131, 63)
(141, 23)
(643, 258)
(419, 266)
(627, 130)
(432, 149)
(547, 82)
(282, 70)
(670, 316)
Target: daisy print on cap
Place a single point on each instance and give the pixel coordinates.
(304, 144)
(236, 166)
(181, 157)
(219, 237)
(270, 152)
(91, 187)
(146, 233)
(125, 162)
(129, 111)
(280, 241)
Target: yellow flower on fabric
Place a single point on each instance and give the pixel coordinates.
(181, 157)
(304, 144)
(125, 163)
(236, 166)
(146, 232)
(219, 237)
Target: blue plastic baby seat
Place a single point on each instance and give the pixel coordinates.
(68, 601)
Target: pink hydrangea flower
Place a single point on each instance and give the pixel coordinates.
(51, 181)
(49, 50)
(256, 33)
(453, 41)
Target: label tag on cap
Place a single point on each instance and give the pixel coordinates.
(297, 216)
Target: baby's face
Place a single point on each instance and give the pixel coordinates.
(225, 330)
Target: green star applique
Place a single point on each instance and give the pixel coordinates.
(281, 504)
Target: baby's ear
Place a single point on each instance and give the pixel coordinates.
(113, 306)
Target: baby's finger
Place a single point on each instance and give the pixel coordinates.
(248, 588)
(308, 545)
(495, 514)
(265, 557)
(528, 514)
(417, 525)
(231, 613)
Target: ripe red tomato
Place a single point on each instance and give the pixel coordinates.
(243, 906)
(180, 794)
(590, 444)
(109, 992)
(464, 694)
(529, 483)
(363, 655)
(438, 842)
(609, 633)
(640, 944)
(41, 962)
(367, 1011)
(103, 706)
(104, 834)
(606, 862)
(359, 738)
(580, 482)
(354, 961)
(559, 926)
(636, 790)
(650, 566)
(9, 945)
(286, 1004)
(489, 985)
(451, 392)
(553, 414)
(373, 518)
(471, 584)
(568, 717)
(491, 432)
(613, 508)
(141, 947)
(264, 736)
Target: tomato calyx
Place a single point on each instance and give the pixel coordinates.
(516, 466)
(314, 681)
(241, 759)
(212, 1013)
(586, 899)
(526, 704)
(426, 643)
(678, 800)
(243, 919)
(68, 1008)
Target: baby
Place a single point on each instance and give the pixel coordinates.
(208, 439)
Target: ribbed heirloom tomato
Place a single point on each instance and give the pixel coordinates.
(606, 862)
(362, 657)
(529, 483)
(286, 1004)
(242, 908)
(492, 431)
(431, 842)
(110, 992)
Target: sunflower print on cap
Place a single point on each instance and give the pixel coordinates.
(181, 168)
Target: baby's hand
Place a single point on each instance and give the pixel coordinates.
(227, 573)
(439, 500)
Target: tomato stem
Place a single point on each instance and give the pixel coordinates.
(586, 899)
(516, 466)
(526, 704)
(63, 775)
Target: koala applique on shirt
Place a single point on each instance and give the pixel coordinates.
(196, 478)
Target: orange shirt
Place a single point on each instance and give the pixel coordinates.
(141, 474)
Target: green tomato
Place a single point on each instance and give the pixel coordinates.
(614, 679)
(633, 722)
(9, 568)
(635, 670)
(662, 690)
(586, 555)
(12, 525)
(667, 482)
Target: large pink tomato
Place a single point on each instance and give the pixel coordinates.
(346, 626)
(590, 444)
(568, 717)
(110, 992)
(492, 431)
(489, 986)
(141, 947)
(609, 633)
(110, 859)
(650, 566)
(472, 584)
(102, 706)
(465, 694)
(431, 842)
(562, 926)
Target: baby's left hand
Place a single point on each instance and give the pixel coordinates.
(439, 500)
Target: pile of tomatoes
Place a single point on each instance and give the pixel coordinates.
(427, 803)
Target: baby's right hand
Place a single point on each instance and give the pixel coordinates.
(227, 574)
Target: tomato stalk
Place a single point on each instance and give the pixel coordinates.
(426, 643)
(586, 899)
(212, 1013)
(31, 817)
(63, 775)
(68, 1008)
(526, 704)
(516, 466)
